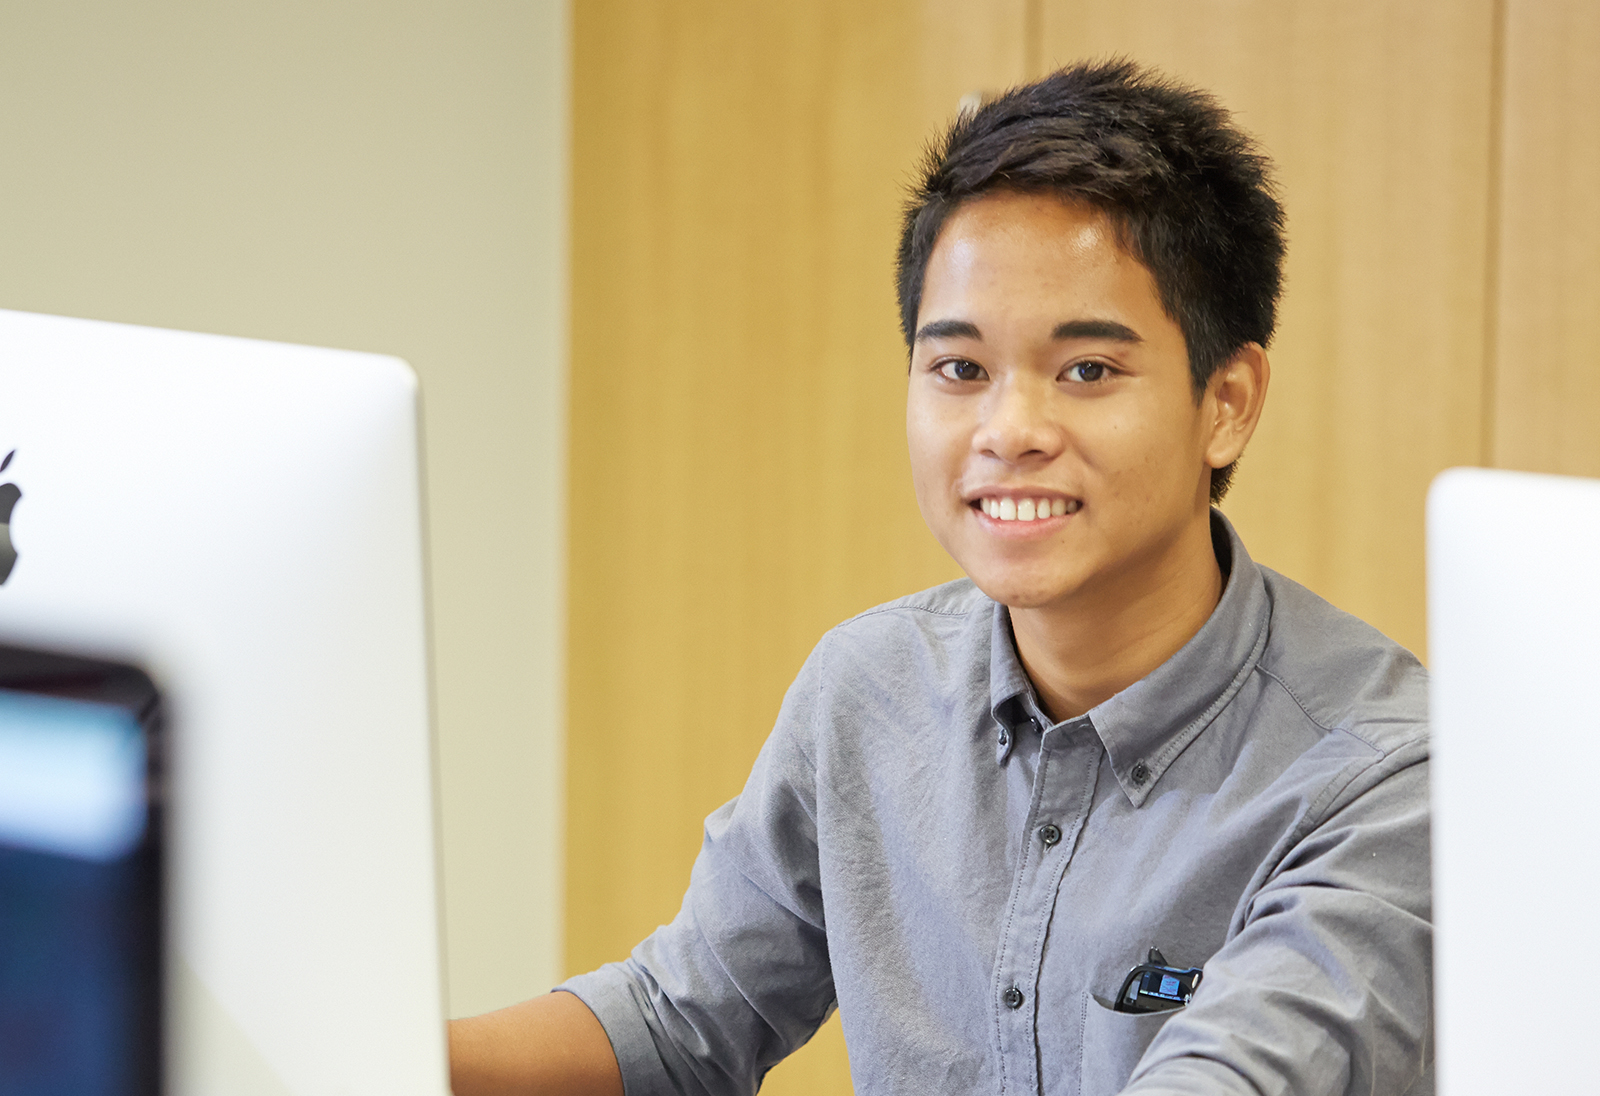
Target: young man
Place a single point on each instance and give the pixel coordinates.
(983, 804)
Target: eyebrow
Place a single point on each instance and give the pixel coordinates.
(949, 329)
(1096, 329)
(1072, 329)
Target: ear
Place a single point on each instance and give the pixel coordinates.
(1234, 397)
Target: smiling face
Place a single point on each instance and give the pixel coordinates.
(1047, 379)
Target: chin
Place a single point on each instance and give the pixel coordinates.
(1020, 591)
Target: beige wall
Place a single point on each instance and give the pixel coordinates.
(380, 176)
(739, 482)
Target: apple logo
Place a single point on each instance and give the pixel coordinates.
(9, 494)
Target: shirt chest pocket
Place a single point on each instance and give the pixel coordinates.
(1112, 1044)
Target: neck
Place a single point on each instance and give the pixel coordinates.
(1090, 647)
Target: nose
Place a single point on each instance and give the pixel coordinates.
(1017, 426)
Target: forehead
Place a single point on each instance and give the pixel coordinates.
(1011, 248)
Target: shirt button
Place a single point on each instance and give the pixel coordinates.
(1005, 737)
(1012, 997)
(1049, 833)
(1139, 773)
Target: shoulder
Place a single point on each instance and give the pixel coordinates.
(950, 602)
(1344, 674)
(942, 634)
(933, 616)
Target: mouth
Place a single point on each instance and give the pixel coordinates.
(1010, 508)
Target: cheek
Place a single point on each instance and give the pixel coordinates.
(1145, 452)
(1115, 443)
(933, 451)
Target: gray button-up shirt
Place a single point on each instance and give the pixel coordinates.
(969, 882)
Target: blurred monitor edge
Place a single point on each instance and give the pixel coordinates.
(1514, 644)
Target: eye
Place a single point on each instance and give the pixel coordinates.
(959, 369)
(1087, 372)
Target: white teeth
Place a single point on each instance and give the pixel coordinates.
(1028, 509)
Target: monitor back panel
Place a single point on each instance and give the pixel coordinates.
(242, 519)
(1514, 645)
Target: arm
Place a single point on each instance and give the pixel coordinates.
(740, 978)
(551, 1044)
(1326, 987)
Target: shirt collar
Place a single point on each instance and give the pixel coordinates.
(1146, 725)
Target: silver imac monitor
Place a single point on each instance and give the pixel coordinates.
(241, 520)
(1514, 653)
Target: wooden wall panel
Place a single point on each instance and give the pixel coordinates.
(1378, 117)
(738, 480)
(1546, 384)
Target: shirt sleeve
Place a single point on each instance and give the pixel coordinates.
(740, 978)
(1327, 985)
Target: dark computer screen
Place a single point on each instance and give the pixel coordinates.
(80, 877)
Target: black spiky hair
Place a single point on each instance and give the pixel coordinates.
(1188, 192)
